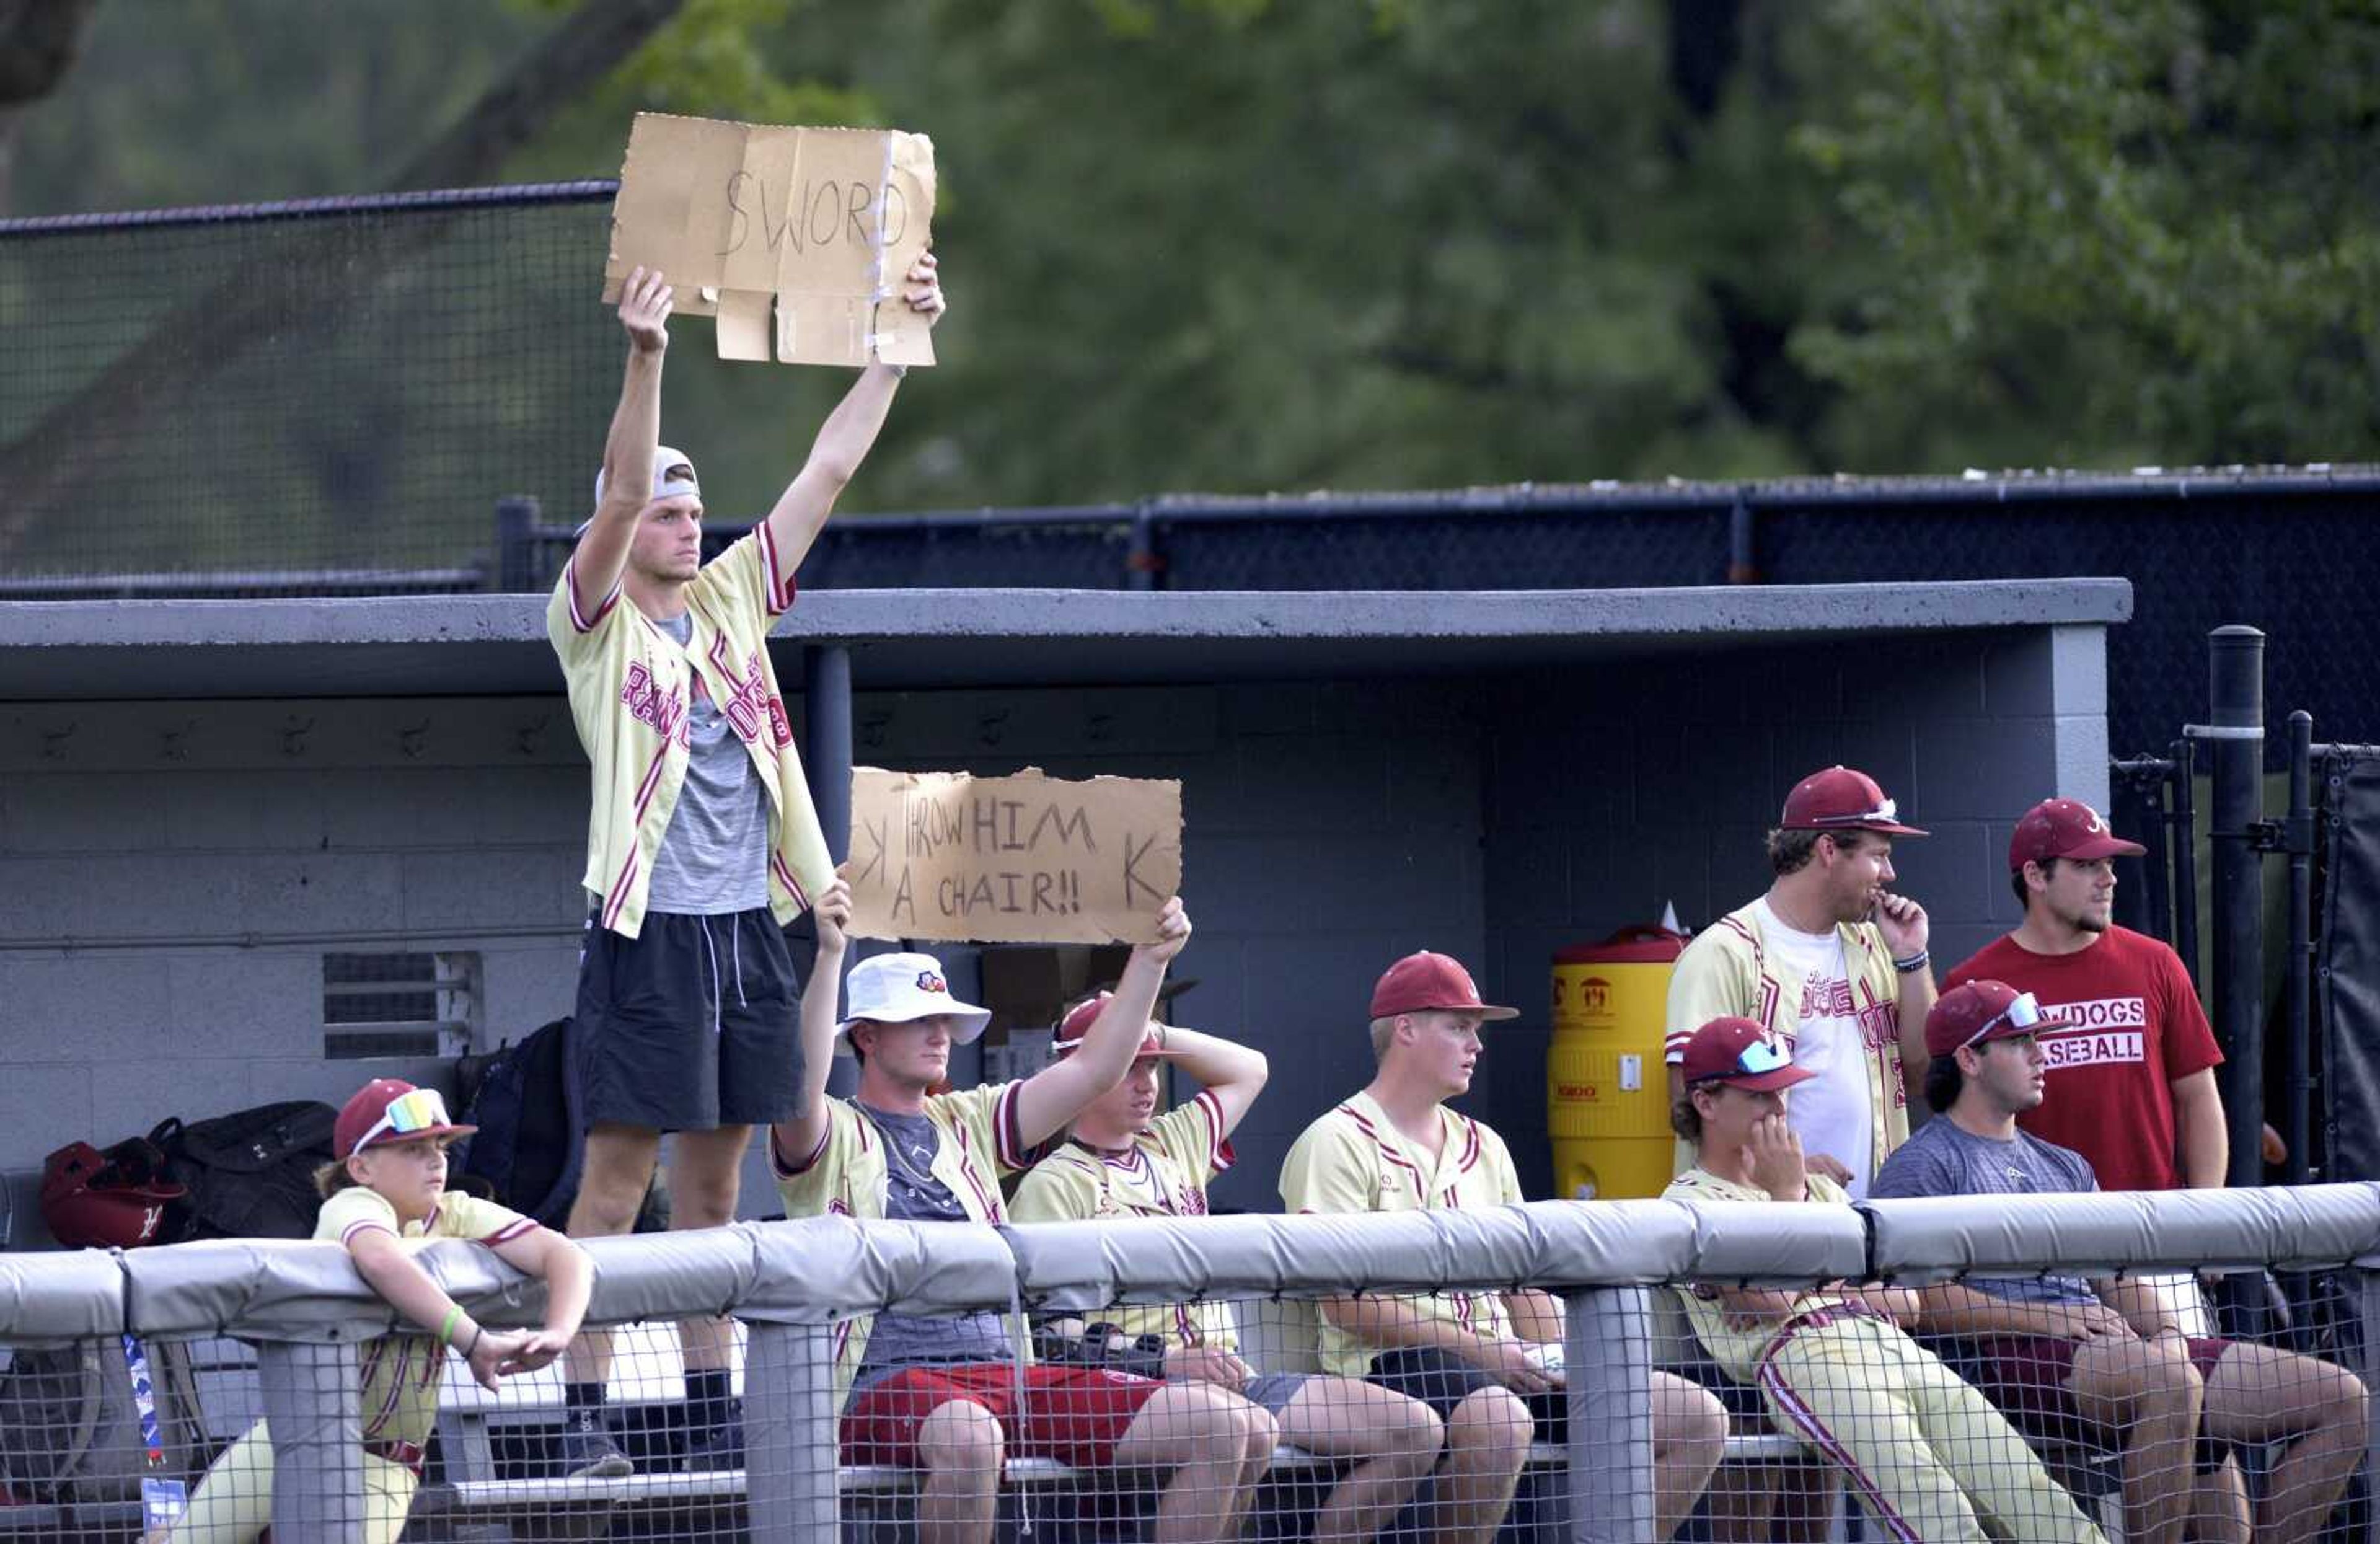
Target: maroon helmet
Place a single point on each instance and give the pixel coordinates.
(106, 1200)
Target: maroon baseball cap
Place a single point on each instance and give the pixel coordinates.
(1739, 1052)
(1842, 799)
(1077, 1023)
(2065, 828)
(1976, 1012)
(1423, 982)
(391, 1110)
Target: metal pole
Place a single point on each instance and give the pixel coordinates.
(2296, 1066)
(826, 750)
(1742, 541)
(515, 570)
(2235, 747)
(1608, 1353)
(312, 1396)
(789, 1429)
(2184, 837)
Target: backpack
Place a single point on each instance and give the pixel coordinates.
(248, 1175)
(70, 1431)
(531, 1145)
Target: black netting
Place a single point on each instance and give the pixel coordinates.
(320, 398)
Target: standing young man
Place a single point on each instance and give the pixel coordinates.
(1471, 1356)
(2107, 1354)
(1124, 1160)
(947, 1395)
(1830, 962)
(1835, 1364)
(2130, 1061)
(701, 842)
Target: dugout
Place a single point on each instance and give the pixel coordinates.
(242, 842)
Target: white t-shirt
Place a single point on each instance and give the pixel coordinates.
(1830, 1111)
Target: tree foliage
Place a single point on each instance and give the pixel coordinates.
(1247, 245)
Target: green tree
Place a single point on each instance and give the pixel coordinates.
(2149, 228)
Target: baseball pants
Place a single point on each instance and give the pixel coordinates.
(234, 1502)
(1923, 1450)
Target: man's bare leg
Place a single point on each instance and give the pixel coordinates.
(1486, 1444)
(2259, 1394)
(1689, 1439)
(706, 1175)
(1393, 1441)
(1204, 1434)
(2147, 1393)
(961, 1449)
(618, 1169)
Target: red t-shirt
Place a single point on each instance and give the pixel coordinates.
(2110, 1077)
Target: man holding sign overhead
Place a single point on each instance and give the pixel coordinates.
(701, 840)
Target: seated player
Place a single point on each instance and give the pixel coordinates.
(2059, 1350)
(1479, 1360)
(1124, 1160)
(1928, 1456)
(947, 1395)
(385, 1193)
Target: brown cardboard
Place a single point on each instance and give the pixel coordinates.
(1027, 858)
(797, 239)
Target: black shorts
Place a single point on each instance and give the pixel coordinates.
(1442, 1381)
(690, 1026)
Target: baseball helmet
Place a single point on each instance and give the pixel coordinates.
(114, 1199)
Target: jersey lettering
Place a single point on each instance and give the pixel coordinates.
(2104, 1012)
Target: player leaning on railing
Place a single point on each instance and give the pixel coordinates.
(1123, 1158)
(951, 1396)
(385, 1194)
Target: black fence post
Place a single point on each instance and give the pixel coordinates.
(2235, 737)
(2297, 1080)
(515, 567)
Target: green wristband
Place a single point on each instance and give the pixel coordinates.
(446, 1325)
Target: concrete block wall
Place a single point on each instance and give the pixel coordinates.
(171, 874)
(1612, 792)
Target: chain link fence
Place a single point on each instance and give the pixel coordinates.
(332, 397)
(1702, 1371)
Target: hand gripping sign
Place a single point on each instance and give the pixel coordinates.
(1027, 858)
(796, 239)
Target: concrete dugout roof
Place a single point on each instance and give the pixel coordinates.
(470, 645)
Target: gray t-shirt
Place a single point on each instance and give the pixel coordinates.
(714, 853)
(1945, 1159)
(912, 1194)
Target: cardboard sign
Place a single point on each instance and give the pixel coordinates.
(796, 239)
(1022, 860)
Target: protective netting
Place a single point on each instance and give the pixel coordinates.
(326, 398)
(1643, 1415)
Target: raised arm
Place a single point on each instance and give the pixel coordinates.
(602, 552)
(1234, 1072)
(570, 1278)
(797, 1135)
(1052, 1097)
(849, 432)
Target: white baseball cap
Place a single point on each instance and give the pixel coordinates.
(896, 989)
(673, 477)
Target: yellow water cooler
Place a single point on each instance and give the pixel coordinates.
(1607, 1091)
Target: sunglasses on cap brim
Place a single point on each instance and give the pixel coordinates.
(408, 1115)
(2025, 1013)
(1757, 1059)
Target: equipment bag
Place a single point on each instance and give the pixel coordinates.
(248, 1175)
(531, 1145)
(71, 1427)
